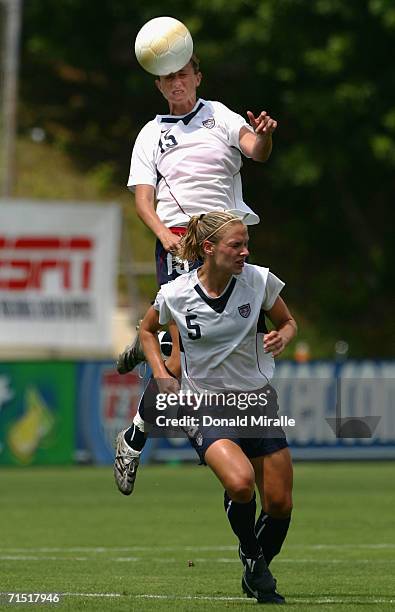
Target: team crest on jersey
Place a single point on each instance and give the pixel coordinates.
(209, 123)
(245, 310)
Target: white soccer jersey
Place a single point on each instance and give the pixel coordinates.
(222, 337)
(193, 161)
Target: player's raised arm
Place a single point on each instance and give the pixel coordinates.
(258, 145)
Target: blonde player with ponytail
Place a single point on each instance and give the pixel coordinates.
(219, 310)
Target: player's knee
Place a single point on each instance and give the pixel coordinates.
(241, 489)
(279, 505)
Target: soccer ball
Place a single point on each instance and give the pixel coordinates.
(163, 45)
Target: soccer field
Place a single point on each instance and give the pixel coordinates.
(69, 531)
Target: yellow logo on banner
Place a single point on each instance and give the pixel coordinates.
(26, 433)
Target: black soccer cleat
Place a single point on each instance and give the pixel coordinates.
(258, 580)
(272, 597)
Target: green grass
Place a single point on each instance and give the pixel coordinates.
(68, 530)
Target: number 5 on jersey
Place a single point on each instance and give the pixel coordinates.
(195, 332)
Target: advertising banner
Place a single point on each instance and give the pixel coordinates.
(58, 270)
(37, 413)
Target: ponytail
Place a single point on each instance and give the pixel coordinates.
(204, 227)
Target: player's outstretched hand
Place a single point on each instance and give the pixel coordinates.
(274, 343)
(263, 124)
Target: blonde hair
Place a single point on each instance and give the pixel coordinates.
(208, 226)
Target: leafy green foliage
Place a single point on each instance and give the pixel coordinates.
(323, 69)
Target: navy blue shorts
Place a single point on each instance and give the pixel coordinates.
(168, 266)
(251, 447)
(271, 438)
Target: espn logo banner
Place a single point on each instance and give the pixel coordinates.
(57, 274)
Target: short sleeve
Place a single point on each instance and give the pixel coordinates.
(272, 290)
(142, 165)
(161, 306)
(233, 122)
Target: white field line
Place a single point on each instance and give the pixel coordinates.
(106, 549)
(317, 600)
(90, 595)
(168, 560)
(312, 600)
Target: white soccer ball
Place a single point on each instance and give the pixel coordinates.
(163, 45)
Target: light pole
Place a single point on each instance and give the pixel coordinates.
(13, 9)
